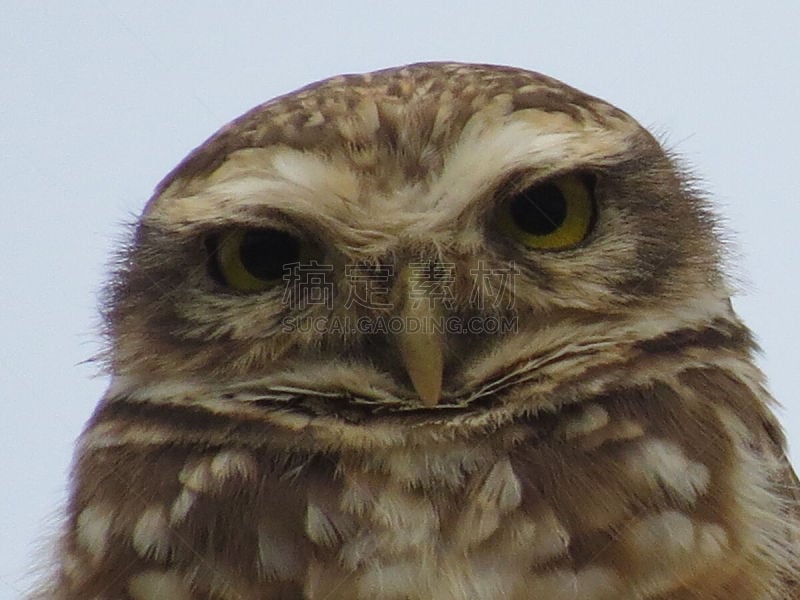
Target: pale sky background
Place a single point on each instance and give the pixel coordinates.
(98, 100)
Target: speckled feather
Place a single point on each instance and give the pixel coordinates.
(620, 444)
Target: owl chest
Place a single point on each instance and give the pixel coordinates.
(473, 521)
(379, 537)
(539, 523)
(596, 509)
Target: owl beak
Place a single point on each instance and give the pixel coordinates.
(419, 345)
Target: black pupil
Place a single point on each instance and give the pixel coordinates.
(539, 210)
(265, 252)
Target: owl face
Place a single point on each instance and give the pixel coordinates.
(412, 244)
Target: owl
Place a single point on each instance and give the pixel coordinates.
(437, 332)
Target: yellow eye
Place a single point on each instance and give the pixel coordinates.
(551, 215)
(252, 260)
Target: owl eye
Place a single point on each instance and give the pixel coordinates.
(550, 215)
(252, 260)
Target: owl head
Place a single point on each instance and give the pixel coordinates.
(412, 244)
